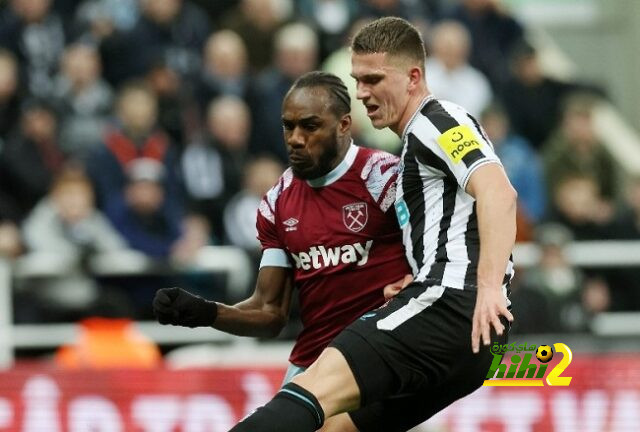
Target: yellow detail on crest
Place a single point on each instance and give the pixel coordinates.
(458, 141)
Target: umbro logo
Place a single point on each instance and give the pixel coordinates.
(291, 224)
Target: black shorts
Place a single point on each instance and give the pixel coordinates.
(412, 357)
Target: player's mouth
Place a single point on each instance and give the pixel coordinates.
(298, 160)
(371, 109)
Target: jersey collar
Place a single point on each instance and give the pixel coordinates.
(338, 171)
(422, 104)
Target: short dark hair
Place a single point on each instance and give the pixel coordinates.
(340, 100)
(392, 35)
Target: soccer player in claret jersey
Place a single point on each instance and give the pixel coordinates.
(327, 229)
(430, 344)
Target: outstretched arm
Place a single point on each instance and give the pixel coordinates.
(496, 210)
(264, 314)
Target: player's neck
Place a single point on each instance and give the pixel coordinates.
(412, 106)
(343, 148)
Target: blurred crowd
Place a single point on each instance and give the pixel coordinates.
(154, 125)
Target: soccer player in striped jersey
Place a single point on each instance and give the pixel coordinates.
(429, 346)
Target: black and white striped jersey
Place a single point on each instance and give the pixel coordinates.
(442, 146)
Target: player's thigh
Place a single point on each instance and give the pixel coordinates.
(418, 343)
(331, 381)
(403, 412)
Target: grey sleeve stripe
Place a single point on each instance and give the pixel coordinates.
(274, 258)
(475, 166)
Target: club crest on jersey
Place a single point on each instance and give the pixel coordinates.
(355, 216)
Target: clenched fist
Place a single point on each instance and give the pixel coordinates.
(176, 306)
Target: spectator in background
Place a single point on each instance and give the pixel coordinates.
(579, 206)
(494, 33)
(533, 100)
(556, 295)
(574, 148)
(213, 164)
(411, 10)
(66, 221)
(31, 156)
(177, 111)
(196, 234)
(450, 75)
(134, 135)
(84, 99)
(35, 34)
(172, 30)
(522, 164)
(66, 226)
(225, 69)
(330, 18)
(625, 282)
(296, 52)
(240, 213)
(10, 208)
(96, 19)
(257, 21)
(10, 240)
(9, 93)
(627, 222)
(142, 214)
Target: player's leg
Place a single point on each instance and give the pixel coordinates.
(403, 412)
(427, 339)
(331, 381)
(328, 385)
(338, 423)
(344, 375)
(416, 340)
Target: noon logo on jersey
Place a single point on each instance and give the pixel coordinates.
(355, 216)
(320, 256)
(458, 141)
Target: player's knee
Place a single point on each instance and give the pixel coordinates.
(331, 381)
(339, 423)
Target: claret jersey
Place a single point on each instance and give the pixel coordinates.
(340, 236)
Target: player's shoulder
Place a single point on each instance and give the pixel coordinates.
(375, 163)
(378, 172)
(438, 116)
(270, 200)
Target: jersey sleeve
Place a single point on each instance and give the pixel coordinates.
(453, 141)
(273, 250)
(379, 174)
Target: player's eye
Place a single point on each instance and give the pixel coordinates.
(288, 125)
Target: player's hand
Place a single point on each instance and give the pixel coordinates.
(490, 306)
(176, 306)
(392, 289)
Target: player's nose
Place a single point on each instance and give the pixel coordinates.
(296, 138)
(362, 91)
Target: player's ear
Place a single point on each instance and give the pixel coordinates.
(416, 76)
(344, 126)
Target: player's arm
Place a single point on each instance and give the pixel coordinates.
(496, 210)
(264, 314)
